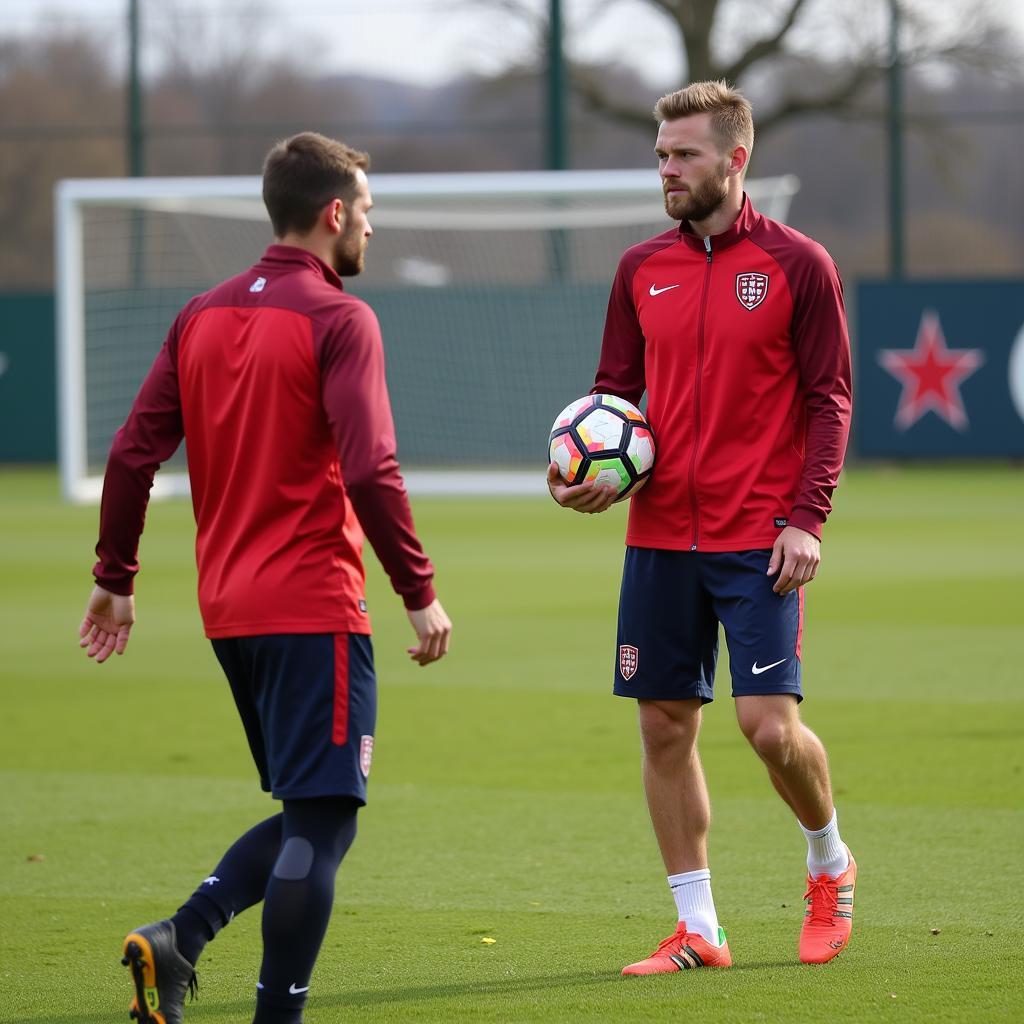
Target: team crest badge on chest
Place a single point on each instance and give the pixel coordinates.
(628, 657)
(751, 289)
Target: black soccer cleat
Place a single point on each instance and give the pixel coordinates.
(160, 975)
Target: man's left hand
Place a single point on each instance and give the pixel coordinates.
(107, 623)
(795, 557)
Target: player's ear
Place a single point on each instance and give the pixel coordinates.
(738, 160)
(334, 215)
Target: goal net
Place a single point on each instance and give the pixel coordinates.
(491, 291)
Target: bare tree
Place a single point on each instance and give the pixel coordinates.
(243, 87)
(766, 43)
(214, 102)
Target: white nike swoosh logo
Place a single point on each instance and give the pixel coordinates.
(658, 291)
(297, 991)
(758, 669)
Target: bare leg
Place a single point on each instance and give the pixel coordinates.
(795, 758)
(677, 793)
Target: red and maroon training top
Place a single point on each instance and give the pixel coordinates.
(275, 379)
(740, 341)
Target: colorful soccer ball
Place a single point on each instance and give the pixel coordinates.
(605, 439)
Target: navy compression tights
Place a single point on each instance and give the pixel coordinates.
(289, 861)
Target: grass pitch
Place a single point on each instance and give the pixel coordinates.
(505, 794)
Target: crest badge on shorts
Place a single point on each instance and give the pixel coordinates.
(628, 658)
(751, 289)
(365, 755)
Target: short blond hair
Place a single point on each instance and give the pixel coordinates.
(732, 118)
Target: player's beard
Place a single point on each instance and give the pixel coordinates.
(349, 253)
(700, 202)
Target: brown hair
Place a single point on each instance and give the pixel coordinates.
(304, 173)
(732, 119)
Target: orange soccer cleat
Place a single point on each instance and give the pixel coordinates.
(681, 951)
(828, 919)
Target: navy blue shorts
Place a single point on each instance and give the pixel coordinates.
(309, 706)
(669, 610)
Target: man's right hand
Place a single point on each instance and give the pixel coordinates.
(589, 498)
(433, 629)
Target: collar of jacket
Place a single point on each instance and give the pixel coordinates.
(293, 257)
(747, 220)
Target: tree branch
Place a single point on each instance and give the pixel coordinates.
(978, 42)
(766, 47)
(835, 98)
(584, 84)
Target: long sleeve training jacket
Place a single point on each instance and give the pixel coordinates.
(275, 379)
(740, 341)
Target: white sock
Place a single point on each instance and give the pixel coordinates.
(692, 893)
(826, 853)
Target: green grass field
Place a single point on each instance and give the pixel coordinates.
(505, 794)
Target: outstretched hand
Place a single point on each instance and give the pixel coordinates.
(107, 623)
(590, 498)
(795, 557)
(433, 630)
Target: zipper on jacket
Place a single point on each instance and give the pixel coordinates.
(694, 511)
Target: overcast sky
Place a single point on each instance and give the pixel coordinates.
(426, 41)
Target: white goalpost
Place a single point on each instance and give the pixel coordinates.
(490, 288)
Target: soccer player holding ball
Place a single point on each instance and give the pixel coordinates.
(734, 326)
(275, 379)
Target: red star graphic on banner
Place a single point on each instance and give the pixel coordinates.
(931, 375)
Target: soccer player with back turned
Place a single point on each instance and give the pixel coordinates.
(734, 326)
(275, 379)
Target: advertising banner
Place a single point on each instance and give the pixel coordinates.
(940, 369)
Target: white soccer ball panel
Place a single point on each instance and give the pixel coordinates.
(641, 450)
(563, 451)
(601, 431)
(611, 477)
